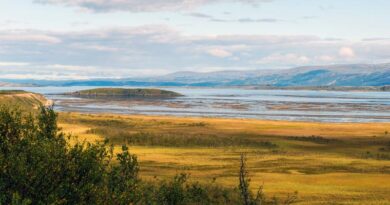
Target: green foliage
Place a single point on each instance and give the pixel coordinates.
(10, 92)
(39, 166)
(126, 93)
(123, 181)
(179, 191)
(47, 123)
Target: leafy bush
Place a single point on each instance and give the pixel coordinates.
(38, 166)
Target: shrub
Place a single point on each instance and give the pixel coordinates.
(38, 166)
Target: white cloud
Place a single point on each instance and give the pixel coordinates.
(156, 49)
(286, 59)
(347, 52)
(230, 20)
(51, 76)
(71, 67)
(217, 52)
(87, 46)
(8, 64)
(140, 5)
(29, 38)
(326, 58)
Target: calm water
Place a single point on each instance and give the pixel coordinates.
(326, 106)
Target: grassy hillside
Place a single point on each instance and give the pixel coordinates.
(126, 93)
(327, 163)
(24, 100)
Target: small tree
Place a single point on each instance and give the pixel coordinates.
(246, 195)
(244, 181)
(123, 181)
(47, 123)
(244, 186)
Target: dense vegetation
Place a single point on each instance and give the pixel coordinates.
(384, 88)
(39, 166)
(9, 92)
(177, 140)
(126, 93)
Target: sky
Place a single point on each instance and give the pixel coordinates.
(82, 39)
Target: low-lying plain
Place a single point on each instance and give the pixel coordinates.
(326, 163)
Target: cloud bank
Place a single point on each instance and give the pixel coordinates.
(140, 5)
(158, 49)
(239, 20)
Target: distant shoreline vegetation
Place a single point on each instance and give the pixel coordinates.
(125, 93)
(11, 92)
(326, 88)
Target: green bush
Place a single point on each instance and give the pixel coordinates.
(38, 166)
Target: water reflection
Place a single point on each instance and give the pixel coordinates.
(329, 106)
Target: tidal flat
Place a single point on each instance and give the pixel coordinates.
(293, 105)
(240, 103)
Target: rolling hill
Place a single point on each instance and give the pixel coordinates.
(330, 75)
(23, 99)
(334, 75)
(125, 93)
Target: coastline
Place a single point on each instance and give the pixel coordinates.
(260, 126)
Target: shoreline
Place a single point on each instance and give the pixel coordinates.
(261, 127)
(190, 117)
(325, 118)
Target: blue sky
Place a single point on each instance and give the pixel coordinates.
(63, 39)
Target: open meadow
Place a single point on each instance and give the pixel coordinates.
(327, 163)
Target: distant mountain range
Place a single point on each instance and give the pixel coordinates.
(9, 84)
(332, 75)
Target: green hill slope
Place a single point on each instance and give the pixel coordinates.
(126, 93)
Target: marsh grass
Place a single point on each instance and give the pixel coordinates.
(178, 140)
(315, 139)
(325, 163)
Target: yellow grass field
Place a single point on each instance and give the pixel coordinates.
(327, 163)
